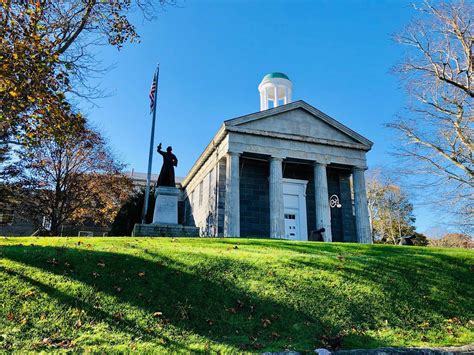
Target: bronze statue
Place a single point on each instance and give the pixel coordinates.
(166, 177)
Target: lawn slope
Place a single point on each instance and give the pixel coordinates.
(114, 294)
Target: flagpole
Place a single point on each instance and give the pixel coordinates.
(150, 155)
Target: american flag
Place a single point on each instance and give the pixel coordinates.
(154, 86)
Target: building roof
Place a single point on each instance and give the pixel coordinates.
(364, 143)
(275, 75)
(300, 104)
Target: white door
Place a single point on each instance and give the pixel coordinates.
(294, 201)
(291, 225)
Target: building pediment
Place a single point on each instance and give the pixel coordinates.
(298, 121)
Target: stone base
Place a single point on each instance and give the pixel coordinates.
(166, 205)
(164, 230)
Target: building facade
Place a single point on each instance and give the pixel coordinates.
(287, 172)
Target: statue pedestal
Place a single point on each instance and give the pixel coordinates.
(166, 205)
(165, 217)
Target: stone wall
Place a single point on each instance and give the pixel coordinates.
(342, 219)
(164, 230)
(20, 230)
(348, 218)
(200, 204)
(254, 198)
(336, 213)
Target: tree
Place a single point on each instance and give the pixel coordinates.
(46, 52)
(453, 240)
(436, 132)
(390, 212)
(70, 177)
(420, 239)
(130, 213)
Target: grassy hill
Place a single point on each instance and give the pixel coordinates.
(105, 294)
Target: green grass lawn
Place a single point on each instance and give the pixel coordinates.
(143, 294)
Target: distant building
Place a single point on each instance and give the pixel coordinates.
(139, 179)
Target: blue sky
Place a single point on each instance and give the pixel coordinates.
(213, 54)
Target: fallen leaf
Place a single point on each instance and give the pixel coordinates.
(101, 264)
(65, 344)
(274, 336)
(29, 294)
(118, 315)
(141, 274)
(157, 314)
(78, 324)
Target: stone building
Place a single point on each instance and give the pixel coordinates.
(286, 171)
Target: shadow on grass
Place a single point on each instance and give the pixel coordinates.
(206, 300)
(199, 302)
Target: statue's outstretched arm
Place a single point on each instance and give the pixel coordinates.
(159, 150)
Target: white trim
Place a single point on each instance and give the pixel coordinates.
(303, 105)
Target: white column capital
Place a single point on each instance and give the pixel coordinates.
(273, 158)
(319, 163)
(234, 154)
(359, 168)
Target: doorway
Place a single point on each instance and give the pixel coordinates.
(294, 202)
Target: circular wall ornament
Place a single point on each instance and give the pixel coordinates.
(334, 202)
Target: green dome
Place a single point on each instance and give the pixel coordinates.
(276, 75)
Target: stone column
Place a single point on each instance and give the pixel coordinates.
(277, 222)
(360, 206)
(232, 197)
(323, 214)
(265, 99)
(275, 90)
